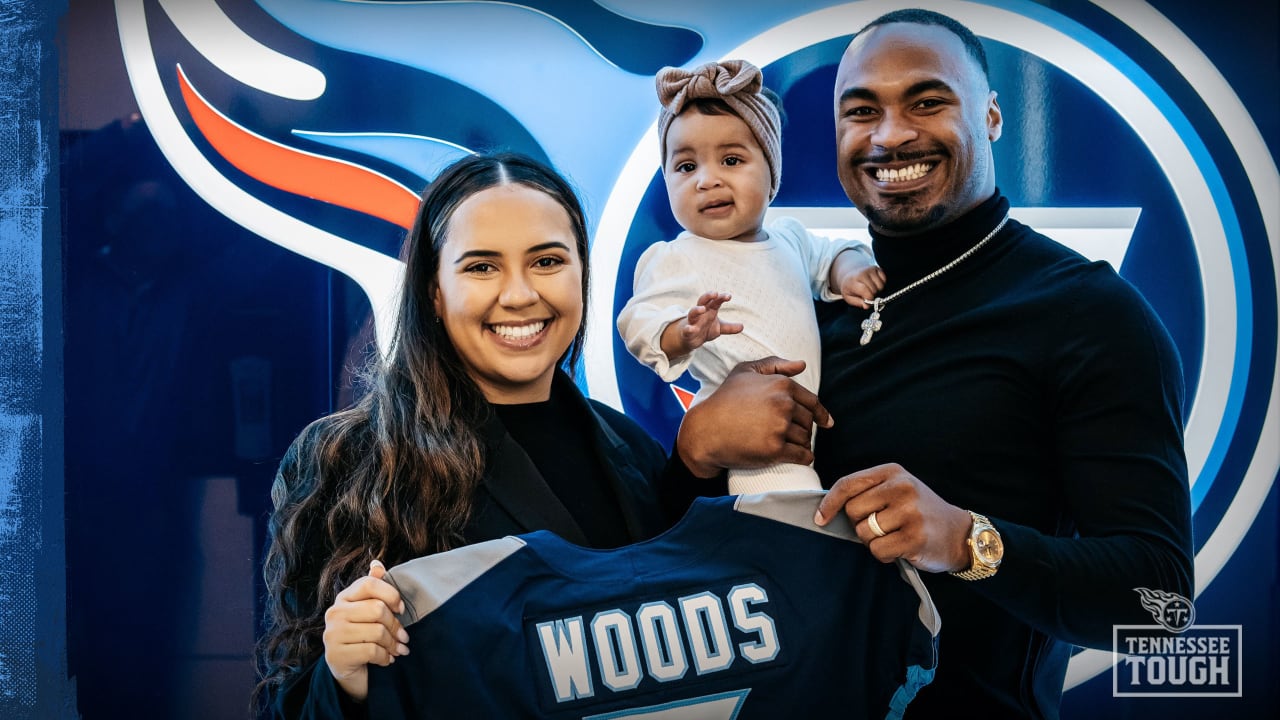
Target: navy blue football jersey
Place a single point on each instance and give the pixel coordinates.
(744, 609)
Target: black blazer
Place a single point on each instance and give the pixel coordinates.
(514, 498)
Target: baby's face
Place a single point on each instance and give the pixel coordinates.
(717, 176)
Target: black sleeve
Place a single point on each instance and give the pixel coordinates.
(1118, 390)
(672, 481)
(677, 487)
(313, 694)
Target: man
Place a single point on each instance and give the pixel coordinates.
(1013, 411)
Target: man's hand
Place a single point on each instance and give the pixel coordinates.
(758, 416)
(917, 525)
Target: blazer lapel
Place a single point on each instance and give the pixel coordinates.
(632, 488)
(518, 488)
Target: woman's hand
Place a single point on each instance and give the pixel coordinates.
(360, 628)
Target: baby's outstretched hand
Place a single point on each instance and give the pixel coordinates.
(703, 323)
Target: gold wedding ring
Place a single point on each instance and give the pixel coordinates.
(875, 526)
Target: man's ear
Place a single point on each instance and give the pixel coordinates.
(995, 121)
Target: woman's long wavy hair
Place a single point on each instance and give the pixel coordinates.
(393, 476)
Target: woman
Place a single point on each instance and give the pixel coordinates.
(470, 431)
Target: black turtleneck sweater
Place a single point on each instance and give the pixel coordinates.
(1039, 389)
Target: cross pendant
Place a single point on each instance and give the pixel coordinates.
(872, 323)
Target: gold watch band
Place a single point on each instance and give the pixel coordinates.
(977, 569)
(977, 572)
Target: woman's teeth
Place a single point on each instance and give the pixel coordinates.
(519, 332)
(911, 172)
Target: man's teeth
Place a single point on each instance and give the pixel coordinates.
(911, 172)
(519, 332)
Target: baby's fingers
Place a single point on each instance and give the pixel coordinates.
(859, 299)
(876, 278)
(716, 300)
(713, 297)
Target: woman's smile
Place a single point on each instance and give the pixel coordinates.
(520, 335)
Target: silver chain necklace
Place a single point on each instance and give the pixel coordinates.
(873, 323)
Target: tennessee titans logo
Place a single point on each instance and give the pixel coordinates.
(314, 123)
(1174, 612)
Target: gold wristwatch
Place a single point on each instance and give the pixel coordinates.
(985, 548)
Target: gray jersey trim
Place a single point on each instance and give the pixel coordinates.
(797, 507)
(428, 582)
(928, 612)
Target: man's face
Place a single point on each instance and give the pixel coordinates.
(914, 125)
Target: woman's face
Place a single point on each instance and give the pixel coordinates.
(510, 290)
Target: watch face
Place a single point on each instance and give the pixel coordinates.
(988, 547)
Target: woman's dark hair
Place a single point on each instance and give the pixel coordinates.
(393, 476)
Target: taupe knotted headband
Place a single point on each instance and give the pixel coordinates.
(739, 84)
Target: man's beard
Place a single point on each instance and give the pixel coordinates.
(900, 217)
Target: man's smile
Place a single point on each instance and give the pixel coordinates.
(896, 175)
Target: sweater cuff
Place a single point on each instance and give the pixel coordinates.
(826, 295)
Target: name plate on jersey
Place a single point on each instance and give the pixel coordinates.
(703, 635)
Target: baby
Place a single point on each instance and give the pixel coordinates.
(719, 132)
